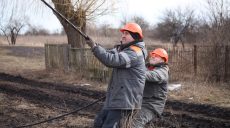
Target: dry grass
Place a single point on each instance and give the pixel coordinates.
(34, 67)
(13, 64)
(35, 41)
(59, 76)
(39, 41)
(204, 93)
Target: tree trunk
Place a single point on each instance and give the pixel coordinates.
(78, 18)
(13, 37)
(74, 38)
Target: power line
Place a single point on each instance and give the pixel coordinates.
(63, 115)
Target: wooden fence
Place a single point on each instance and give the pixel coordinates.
(204, 62)
(61, 56)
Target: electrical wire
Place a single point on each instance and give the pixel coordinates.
(60, 116)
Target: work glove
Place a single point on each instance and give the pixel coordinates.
(90, 42)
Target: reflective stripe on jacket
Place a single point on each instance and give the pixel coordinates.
(125, 89)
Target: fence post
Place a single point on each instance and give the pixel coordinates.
(226, 63)
(66, 59)
(195, 59)
(46, 56)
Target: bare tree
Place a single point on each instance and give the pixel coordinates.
(140, 21)
(12, 27)
(105, 29)
(137, 19)
(78, 12)
(124, 20)
(11, 21)
(180, 30)
(218, 35)
(164, 29)
(11, 31)
(219, 19)
(36, 30)
(175, 25)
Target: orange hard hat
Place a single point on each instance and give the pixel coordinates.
(132, 27)
(160, 52)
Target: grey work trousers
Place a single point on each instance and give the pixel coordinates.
(142, 117)
(112, 119)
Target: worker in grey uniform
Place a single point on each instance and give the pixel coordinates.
(155, 91)
(125, 90)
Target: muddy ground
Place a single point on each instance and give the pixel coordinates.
(24, 101)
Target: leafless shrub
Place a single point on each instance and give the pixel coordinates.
(12, 28)
(219, 22)
(37, 30)
(106, 30)
(141, 21)
(176, 25)
(215, 32)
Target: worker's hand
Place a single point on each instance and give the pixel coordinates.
(90, 42)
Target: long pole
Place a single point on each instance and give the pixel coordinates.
(60, 15)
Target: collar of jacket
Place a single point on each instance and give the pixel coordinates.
(152, 66)
(136, 43)
(123, 46)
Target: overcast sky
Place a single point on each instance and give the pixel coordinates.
(150, 10)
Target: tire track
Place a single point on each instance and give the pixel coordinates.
(85, 91)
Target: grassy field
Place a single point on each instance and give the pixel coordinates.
(27, 59)
(30, 93)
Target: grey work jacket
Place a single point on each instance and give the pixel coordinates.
(155, 91)
(125, 89)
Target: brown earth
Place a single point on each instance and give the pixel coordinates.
(26, 100)
(29, 93)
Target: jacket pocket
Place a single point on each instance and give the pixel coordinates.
(130, 92)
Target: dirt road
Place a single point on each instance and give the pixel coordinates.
(25, 100)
